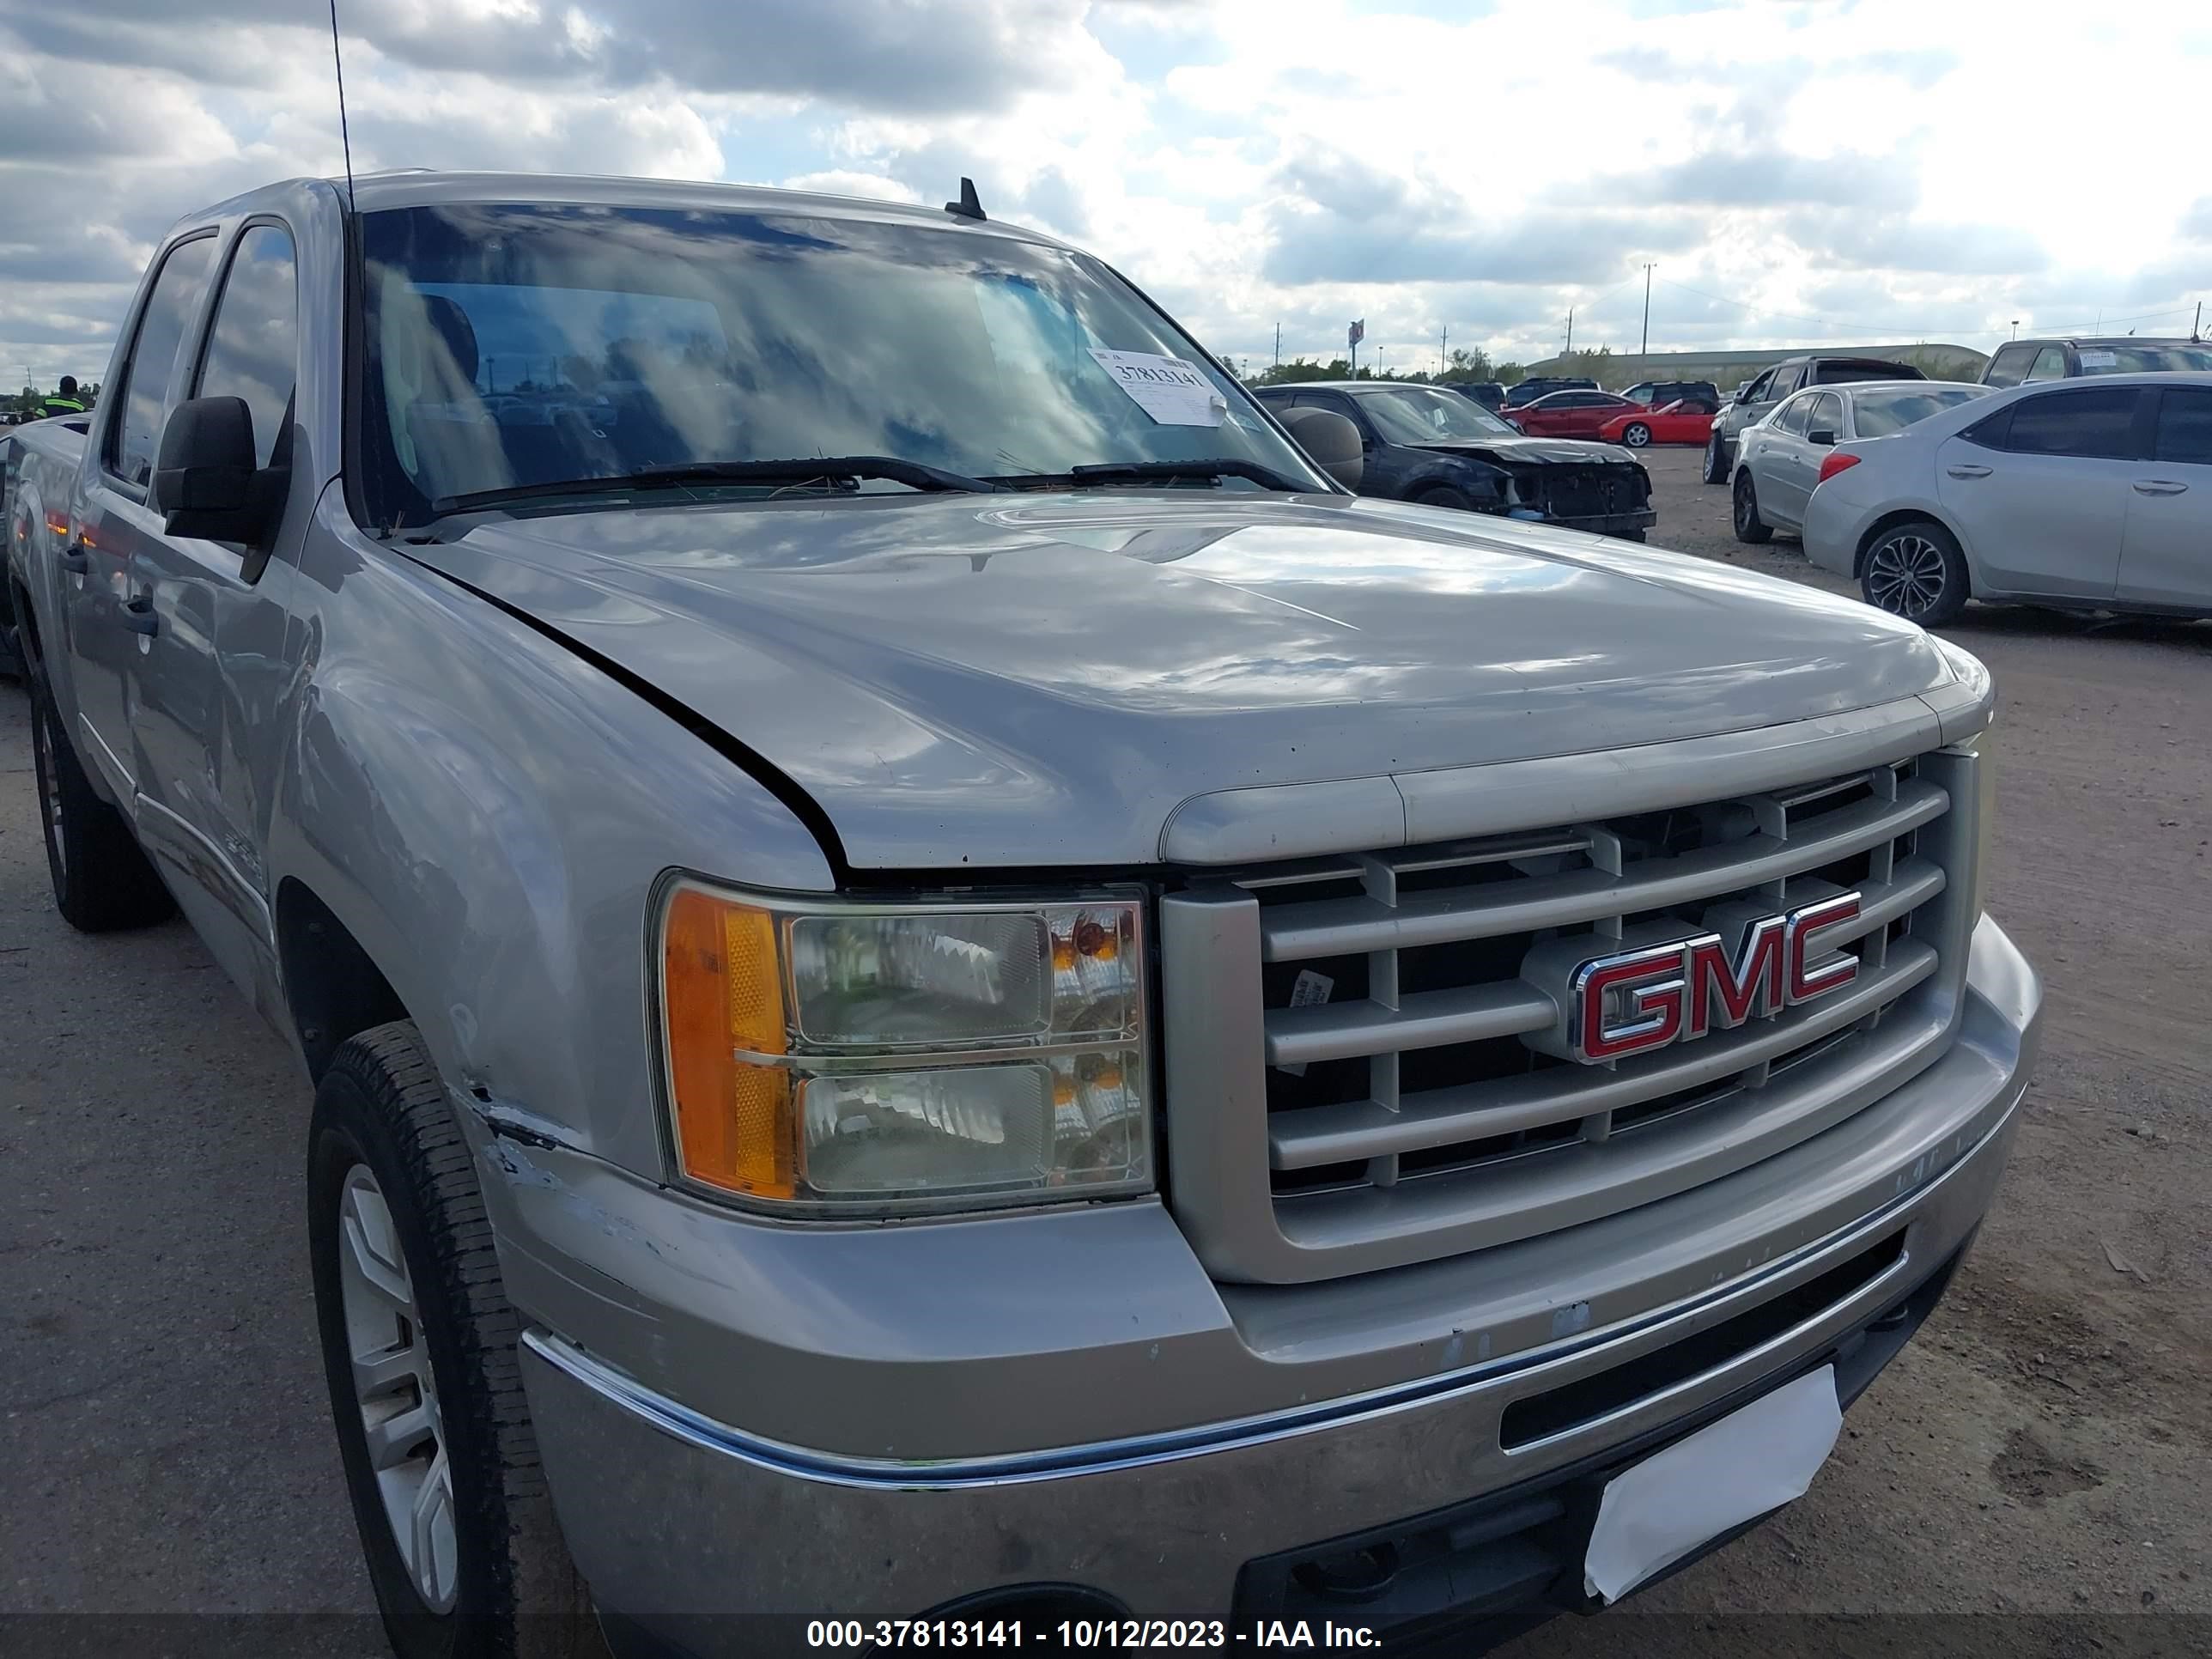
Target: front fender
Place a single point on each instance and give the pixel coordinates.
(488, 815)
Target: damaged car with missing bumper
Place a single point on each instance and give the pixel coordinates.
(939, 979)
(1429, 446)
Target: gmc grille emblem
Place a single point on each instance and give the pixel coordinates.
(1638, 1000)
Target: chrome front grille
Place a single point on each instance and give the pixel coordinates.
(1405, 1114)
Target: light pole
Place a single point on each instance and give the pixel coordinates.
(2016, 328)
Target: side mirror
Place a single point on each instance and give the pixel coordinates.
(205, 483)
(1823, 436)
(1330, 441)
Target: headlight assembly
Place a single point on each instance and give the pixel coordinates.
(835, 1059)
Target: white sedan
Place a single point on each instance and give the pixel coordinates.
(1778, 458)
(2093, 495)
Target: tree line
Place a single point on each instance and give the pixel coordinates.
(1461, 368)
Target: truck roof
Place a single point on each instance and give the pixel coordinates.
(410, 188)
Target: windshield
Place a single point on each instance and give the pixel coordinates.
(1878, 414)
(2145, 359)
(1416, 415)
(512, 345)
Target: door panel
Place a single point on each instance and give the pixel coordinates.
(108, 524)
(2165, 553)
(211, 611)
(2037, 524)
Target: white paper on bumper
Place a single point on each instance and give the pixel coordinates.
(1728, 1472)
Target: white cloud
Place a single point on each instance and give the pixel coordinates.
(1796, 171)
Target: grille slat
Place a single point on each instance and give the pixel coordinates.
(1314, 1136)
(1426, 1019)
(1308, 929)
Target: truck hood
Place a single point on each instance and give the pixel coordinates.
(1040, 680)
(1507, 451)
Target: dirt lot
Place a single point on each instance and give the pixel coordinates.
(2041, 1451)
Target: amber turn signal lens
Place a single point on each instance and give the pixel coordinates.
(722, 992)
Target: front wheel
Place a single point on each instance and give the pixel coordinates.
(419, 1349)
(1915, 571)
(1716, 459)
(1441, 496)
(1749, 526)
(1636, 435)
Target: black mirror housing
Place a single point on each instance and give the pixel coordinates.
(205, 483)
(1821, 434)
(1331, 442)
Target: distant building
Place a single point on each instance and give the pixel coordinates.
(1936, 360)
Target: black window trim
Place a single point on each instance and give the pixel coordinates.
(117, 407)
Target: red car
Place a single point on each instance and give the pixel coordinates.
(1677, 422)
(1571, 414)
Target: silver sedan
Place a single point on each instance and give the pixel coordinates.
(1779, 457)
(2093, 495)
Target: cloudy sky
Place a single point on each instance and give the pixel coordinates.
(1847, 170)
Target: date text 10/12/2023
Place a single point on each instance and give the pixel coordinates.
(1084, 1635)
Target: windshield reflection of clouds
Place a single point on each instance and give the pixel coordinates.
(513, 346)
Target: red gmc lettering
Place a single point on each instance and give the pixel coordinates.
(1644, 1000)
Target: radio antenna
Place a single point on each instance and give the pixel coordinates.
(345, 135)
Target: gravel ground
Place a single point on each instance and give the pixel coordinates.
(2039, 1452)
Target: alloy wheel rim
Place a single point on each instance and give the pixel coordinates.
(1745, 512)
(396, 1392)
(1637, 436)
(1905, 576)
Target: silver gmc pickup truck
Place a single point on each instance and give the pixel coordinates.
(941, 980)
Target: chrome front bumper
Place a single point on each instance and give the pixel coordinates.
(671, 1514)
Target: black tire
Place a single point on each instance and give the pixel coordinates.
(1442, 495)
(1717, 459)
(1915, 570)
(1636, 435)
(1749, 526)
(513, 1593)
(102, 881)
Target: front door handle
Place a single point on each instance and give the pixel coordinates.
(2160, 487)
(74, 558)
(138, 616)
(1967, 469)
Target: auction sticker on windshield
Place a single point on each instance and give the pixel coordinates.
(1172, 391)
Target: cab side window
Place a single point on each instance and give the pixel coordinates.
(2099, 424)
(253, 349)
(135, 431)
(2050, 364)
(2009, 366)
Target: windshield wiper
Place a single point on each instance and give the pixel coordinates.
(835, 469)
(1114, 472)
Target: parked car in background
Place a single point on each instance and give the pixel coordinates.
(1779, 459)
(1790, 375)
(1423, 444)
(1697, 394)
(1671, 423)
(2018, 362)
(1489, 393)
(1537, 385)
(2086, 497)
(1570, 414)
